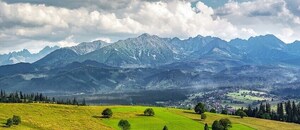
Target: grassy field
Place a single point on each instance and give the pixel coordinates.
(62, 117)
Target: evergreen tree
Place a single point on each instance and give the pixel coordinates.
(206, 127)
(268, 108)
(288, 110)
(165, 128)
(83, 102)
(249, 111)
(280, 111)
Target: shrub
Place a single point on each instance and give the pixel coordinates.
(203, 116)
(16, 120)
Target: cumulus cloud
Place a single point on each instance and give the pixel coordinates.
(65, 23)
(278, 17)
(55, 24)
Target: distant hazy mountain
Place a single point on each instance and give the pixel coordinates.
(87, 47)
(60, 57)
(145, 50)
(25, 56)
(151, 51)
(149, 62)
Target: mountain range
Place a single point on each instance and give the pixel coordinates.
(149, 62)
(25, 56)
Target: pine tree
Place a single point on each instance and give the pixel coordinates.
(294, 112)
(249, 111)
(288, 110)
(83, 102)
(165, 128)
(206, 127)
(280, 112)
(268, 108)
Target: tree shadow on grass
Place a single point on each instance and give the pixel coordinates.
(190, 112)
(237, 117)
(100, 117)
(143, 115)
(198, 120)
(4, 125)
(139, 114)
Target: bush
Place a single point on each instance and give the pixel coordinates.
(9, 122)
(200, 108)
(16, 120)
(149, 112)
(107, 113)
(203, 116)
(124, 125)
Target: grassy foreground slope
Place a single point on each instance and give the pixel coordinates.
(62, 117)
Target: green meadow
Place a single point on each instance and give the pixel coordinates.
(63, 117)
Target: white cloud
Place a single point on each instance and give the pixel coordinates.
(24, 24)
(55, 24)
(264, 16)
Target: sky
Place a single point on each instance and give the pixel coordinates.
(34, 24)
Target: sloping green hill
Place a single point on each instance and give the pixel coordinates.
(62, 117)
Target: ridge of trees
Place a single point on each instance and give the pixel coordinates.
(20, 97)
(286, 111)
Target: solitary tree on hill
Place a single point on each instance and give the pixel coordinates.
(200, 108)
(124, 125)
(149, 112)
(107, 113)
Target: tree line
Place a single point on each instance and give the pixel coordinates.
(20, 97)
(286, 111)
